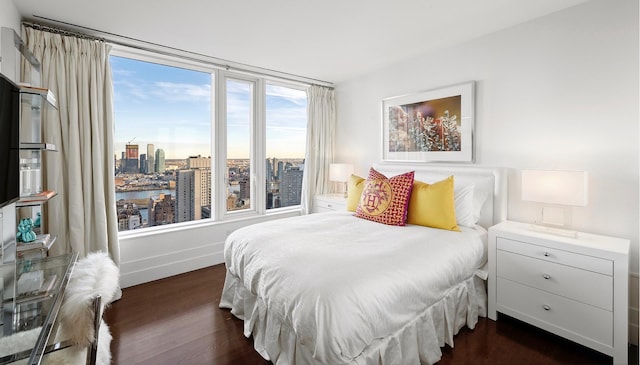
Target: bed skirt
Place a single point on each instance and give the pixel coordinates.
(419, 341)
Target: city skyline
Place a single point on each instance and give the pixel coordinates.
(170, 107)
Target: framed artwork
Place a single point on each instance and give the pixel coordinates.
(434, 125)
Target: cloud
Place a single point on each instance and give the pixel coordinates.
(298, 97)
(181, 92)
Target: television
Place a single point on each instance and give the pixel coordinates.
(9, 141)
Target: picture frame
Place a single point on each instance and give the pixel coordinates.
(430, 126)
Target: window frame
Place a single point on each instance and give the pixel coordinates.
(219, 76)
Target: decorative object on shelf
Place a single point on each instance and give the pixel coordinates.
(42, 241)
(434, 125)
(30, 179)
(559, 191)
(25, 230)
(340, 173)
(38, 220)
(40, 197)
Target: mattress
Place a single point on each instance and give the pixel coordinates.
(331, 288)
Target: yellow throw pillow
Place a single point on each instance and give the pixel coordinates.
(354, 190)
(433, 205)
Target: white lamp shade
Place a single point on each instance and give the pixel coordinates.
(340, 172)
(555, 187)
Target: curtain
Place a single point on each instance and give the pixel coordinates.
(321, 125)
(77, 71)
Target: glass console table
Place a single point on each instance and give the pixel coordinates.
(32, 296)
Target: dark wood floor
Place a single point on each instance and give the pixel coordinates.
(177, 321)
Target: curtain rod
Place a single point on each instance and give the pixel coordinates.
(103, 36)
(60, 31)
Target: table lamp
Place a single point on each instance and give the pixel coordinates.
(558, 191)
(340, 173)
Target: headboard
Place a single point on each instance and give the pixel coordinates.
(491, 181)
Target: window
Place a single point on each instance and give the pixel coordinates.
(240, 117)
(286, 134)
(166, 150)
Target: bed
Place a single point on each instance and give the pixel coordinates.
(332, 288)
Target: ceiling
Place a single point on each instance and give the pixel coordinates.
(327, 40)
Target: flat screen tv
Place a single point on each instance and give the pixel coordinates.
(9, 142)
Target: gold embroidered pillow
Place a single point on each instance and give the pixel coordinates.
(385, 200)
(354, 191)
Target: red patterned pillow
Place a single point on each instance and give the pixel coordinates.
(385, 200)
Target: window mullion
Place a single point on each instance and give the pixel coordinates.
(259, 154)
(220, 147)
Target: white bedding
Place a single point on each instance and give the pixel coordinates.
(331, 288)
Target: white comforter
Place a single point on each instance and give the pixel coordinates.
(339, 282)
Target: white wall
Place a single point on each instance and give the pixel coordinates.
(9, 16)
(558, 92)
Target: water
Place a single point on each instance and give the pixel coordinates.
(142, 194)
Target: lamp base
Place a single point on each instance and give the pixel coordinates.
(553, 230)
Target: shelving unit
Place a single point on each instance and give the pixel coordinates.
(34, 102)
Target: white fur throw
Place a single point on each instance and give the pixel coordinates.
(95, 274)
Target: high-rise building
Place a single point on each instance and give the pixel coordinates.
(269, 170)
(198, 162)
(161, 210)
(245, 189)
(143, 163)
(280, 170)
(273, 194)
(184, 196)
(131, 154)
(291, 187)
(151, 167)
(193, 192)
(159, 163)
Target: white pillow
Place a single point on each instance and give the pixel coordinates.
(479, 197)
(464, 205)
(468, 204)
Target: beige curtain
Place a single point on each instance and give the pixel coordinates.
(77, 71)
(321, 125)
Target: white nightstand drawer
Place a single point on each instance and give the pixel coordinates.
(585, 262)
(329, 202)
(558, 279)
(555, 313)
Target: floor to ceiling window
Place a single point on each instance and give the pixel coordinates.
(168, 144)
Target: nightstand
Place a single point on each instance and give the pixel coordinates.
(329, 202)
(575, 287)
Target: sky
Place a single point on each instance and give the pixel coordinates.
(170, 108)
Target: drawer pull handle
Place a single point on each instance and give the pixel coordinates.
(546, 276)
(546, 307)
(546, 254)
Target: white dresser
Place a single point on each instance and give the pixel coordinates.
(576, 287)
(329, 202)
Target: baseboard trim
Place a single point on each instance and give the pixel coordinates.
(170, 264)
